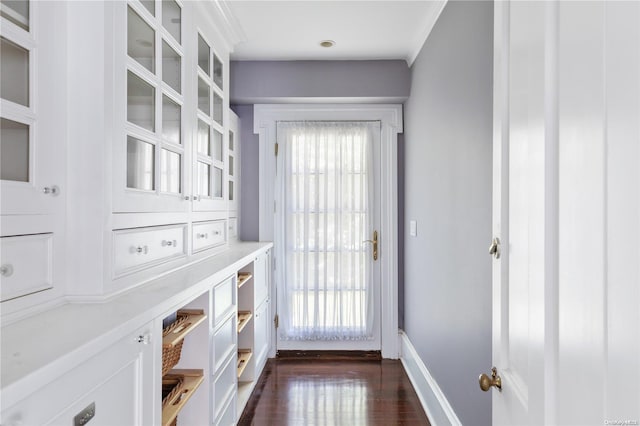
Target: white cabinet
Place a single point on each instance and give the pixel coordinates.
(262, 333)
(25, 265)
(113, 385)
(32, 143)
(233, 164)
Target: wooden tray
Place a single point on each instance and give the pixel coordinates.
(195, 317)
(243, 319)
(244, 355)
(178, 386)
(243, 277)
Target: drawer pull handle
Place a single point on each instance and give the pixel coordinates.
(169, 243)
(196, 198)
(205, 236)
(6, 270)
(51, 190)
(144, 339)
(187, 198)
(140, 249)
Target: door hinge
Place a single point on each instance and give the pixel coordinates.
(276, 149)
(276, 321)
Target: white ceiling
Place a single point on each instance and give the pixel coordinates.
(362, 29)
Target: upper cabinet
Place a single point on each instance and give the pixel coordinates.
(115, 143)
(151, 140)
(32, 150)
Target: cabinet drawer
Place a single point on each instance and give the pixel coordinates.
(209, 234)
(26, 263)
(233, 227)
(224, 300)
(228, 417)
(140, 248)
(224, 385)
(224, 342)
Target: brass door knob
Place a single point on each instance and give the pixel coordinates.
(486, 382)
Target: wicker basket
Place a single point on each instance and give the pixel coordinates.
(171, 355)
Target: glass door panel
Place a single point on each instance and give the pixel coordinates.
(203, 138)
(170, 178)
(217, 145)
(14, 72)
(204, 179)
(204, 100)
(204, 53)
(217, 182)
(171, 113)
(16, 11)
(14, 151)
(171, 18)
(141, 102)
(217, 109)
(140, 164)
(140, 41)
(171, 67)
(217, 72)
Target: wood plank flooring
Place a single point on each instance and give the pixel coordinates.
(329, 392)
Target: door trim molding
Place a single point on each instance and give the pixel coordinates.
(266, 117)
(433, 400)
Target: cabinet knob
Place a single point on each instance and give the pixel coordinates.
(140, 249)
(196, 198)
(216, 232)
(6, 270)
(169, 243)
(51, 190)
(187, 198)
(145, 339)
(205, 236)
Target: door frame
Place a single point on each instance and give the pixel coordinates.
(265, 121)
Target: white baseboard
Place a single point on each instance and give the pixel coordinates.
(433, 401)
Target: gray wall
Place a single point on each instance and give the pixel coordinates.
(254, 82)
(448, 156)
(249, 172)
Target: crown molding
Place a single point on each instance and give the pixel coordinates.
(430, 22)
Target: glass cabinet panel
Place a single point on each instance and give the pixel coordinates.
(170, 178)
(171, 18)
(203, 138)
(140, 164)
(14, 151)
(204, 174)
(204, 53)
(231, 140)
(16, 11)
(150, 5)
(141, 102)
(217, 182)
(14, 72)
(217, 145)
(203, 97)
(230, 165)
(140, 41)
(171, 73)
(217, 109)
(230, 190)
(171, 113)
(217, 71)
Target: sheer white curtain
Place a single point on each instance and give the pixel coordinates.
(328, 203)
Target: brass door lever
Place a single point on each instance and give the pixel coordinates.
(375, 244)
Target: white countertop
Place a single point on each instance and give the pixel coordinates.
(38, 349)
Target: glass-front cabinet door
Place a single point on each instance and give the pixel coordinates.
(209, 191)
(151, 146)
(31, 146)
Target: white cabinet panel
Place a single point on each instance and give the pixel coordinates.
(208, 234)
(224, 300)
(262, 335)
(260, 279)
(134, 249)
(117, 381)
(224, 342)
(227, 418)
(233, 227)
(26, 265)
(224, 385)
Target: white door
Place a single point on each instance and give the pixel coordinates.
(326, 236)
(566, 289)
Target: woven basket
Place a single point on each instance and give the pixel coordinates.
(171, 355)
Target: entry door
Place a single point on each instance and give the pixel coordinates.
(566, 292)
(326, 236)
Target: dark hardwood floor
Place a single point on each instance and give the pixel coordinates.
(333, 392)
